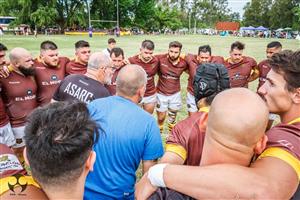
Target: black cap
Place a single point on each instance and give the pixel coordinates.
(210, 79)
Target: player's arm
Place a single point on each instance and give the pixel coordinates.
(176, 145)
(147, 164)
(261, 181)
(254, 74)
(172, 158)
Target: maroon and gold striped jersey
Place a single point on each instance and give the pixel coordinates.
(187, 138)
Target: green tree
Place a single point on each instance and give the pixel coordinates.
(282, 14)
(44, 16)
(257, 13)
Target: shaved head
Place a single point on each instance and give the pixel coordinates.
(238, 117)
(130, 79)
(18, 53)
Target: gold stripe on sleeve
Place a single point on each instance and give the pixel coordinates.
(179, 150)
(284, 155)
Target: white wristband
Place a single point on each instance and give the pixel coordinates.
(156, 175)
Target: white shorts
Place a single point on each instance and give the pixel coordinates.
(7, 136)
(165, 102)
(149, 99)
(19, 134)
(190, 102)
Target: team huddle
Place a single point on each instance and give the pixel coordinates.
(88, 121)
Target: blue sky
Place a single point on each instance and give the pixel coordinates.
(237, 5)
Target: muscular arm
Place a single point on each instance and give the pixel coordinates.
(172, 158)
(269, 178)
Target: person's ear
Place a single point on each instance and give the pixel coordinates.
(261, 145)
(25, 156)
(296, 96)
(90, 161)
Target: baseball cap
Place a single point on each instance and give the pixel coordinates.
(210, 79)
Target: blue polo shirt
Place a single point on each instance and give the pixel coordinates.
(128, 135)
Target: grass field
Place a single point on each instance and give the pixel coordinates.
(255, 47)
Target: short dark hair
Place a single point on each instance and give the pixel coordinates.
(274, 44)
(59, 139)
(81, 44)
(204, 49)
(175, 44)
(3, 47)
(48, 45)
(117, 51)
(111, 40)
(237, 45)
(148, 44)
(287, 63)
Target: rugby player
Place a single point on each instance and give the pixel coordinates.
(194, 61)
(171, 66)
(150, 64)
(89, 86)
(262, 179)
(242, 69)
(264, 66)
(19, 93)
(60, 154)
(111, 44)
(227, 141)
(6, 134)
(118, 61)
(82, 55)
(185, 142)
(50, 70)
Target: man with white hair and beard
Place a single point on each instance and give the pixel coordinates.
(19, 92)
(89, 86)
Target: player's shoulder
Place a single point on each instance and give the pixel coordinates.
(249, 59)
(64, 59)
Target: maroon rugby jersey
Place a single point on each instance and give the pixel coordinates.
(19, 95)
(190, 135)
(112, 86)
(285, 136)
(240, 72)
(169, 75)
(263, 67)
(48, 79)
(193, 64)
(151, 69)
(74, 67)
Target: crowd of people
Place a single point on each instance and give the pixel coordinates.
(80, 128)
